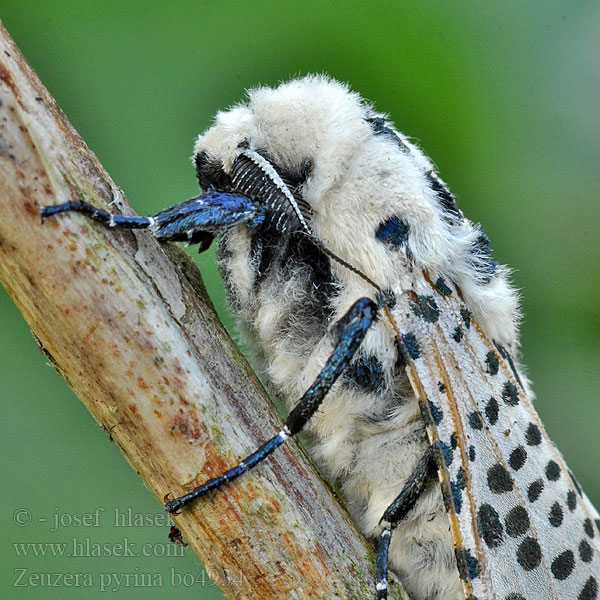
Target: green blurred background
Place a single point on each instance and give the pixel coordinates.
(503, 97)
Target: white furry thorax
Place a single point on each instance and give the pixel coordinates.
(355, 182)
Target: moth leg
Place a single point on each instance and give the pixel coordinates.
(349, 332)
(195, 221)
(398, 510)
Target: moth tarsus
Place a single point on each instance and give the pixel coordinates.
(327, 215)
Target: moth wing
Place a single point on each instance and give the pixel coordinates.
(520, 523)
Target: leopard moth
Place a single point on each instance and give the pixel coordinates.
(371, 298)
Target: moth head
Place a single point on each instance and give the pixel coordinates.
(286, 147)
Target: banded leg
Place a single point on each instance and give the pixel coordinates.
(195, 221)
(398, 510)
(350, 332)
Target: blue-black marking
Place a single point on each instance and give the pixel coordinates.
(466, 315)
(507, 357)
(499, 480)
(367, 373)
(380, 128)
(488, 521)
(510, 394)
(425, 307)
(517, 521)
(468, 566)
(483, 261)
(393, 232)
(436, 412)
(448, 449)
(533, 435)
(517, 458)
(458, 487)
(386, 298)
(411, 345)
(535, 489)
(552, 471)
(458, 333)
(492, 363)
(442, 286)
(475, 420)
(492, 410)
(451, 212)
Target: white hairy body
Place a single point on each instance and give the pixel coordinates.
(368, 443)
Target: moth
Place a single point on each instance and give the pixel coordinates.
(389, 331)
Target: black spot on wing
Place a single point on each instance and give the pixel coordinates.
(472, 453)
(411, 345)
(442, 287)
(466, 316)
(552, 471)
(586, 552)
(515, 596)
(571, 500)
(458, 486)
(447, 452)
(492, 362)
(499, 480)
(556, 515)
(517, 458)
(589, 590)
(562, 566)
(517, 521)
(448, 449)
(588, 527)
(468, 566)
(458, 333)
(442, 387)
(535, 489)
(510, 395)
(492, 410)
(475, 421)
(533, 435)
(436, 412)
(393, 232)
(488, 521)
(425, 307)
(529, 554)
